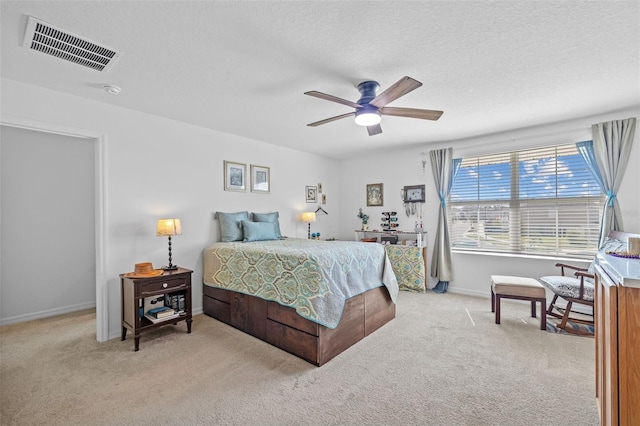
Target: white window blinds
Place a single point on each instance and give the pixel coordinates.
(539, 201)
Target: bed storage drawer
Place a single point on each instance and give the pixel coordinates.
(242, 311)
(289, 316)
(217, 309)
(282, 327)
(293, 341)
(217, 293)
(326, 343)
(248, 313)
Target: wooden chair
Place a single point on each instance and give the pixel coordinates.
(579, 288)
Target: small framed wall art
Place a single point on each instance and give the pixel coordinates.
(260, 179)
(311, 194)
(235, 176)
(374, 194)
(414, 194)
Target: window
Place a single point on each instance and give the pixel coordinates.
(540, 201)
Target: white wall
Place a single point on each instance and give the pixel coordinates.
(155, 167)
(397, 168)
(48, 247)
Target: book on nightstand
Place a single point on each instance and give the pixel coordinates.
(160, 311)
(176, 301)
(165, 314)
(161, 316)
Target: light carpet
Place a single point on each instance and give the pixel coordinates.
(442, 361)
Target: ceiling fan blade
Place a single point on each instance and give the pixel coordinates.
(374, 130)
(332, 99)
(425, 114)
(399, 88)
(329, 120)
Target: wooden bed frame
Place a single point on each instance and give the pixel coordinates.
(282, 327)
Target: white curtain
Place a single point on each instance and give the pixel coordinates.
(612, 141)
(444, 169)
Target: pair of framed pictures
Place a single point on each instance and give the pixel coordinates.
(235, 177)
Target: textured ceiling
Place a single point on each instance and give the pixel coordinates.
(242, 67)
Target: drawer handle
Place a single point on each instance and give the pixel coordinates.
(152, 292)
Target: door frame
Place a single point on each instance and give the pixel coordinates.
(99, 140)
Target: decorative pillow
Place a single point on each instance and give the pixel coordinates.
(609, 244)
(268, 217)
(259, 231)
(231, 225)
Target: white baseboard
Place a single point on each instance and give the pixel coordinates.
(46, 314)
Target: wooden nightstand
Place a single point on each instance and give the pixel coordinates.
(134, 291)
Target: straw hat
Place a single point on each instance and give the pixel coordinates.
(144, 270)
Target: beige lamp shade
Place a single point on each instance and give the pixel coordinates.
(168, 227)
(308, 217)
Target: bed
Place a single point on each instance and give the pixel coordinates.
(311, 298)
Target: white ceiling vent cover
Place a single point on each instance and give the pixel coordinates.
(54, 41)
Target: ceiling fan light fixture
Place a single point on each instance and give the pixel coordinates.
(370, 108)
(368, 117)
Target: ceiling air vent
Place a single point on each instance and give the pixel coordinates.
(54, 41)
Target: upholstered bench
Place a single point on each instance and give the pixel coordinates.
(506, 287)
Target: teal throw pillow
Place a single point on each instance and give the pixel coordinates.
(268, 217)
(231, 225)
(259, 231)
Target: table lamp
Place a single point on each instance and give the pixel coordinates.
(308, 217)
(167, 228)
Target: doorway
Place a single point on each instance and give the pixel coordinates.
(51, 223)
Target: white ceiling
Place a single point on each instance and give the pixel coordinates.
(242, 67)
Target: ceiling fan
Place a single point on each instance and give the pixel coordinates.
(370, 107)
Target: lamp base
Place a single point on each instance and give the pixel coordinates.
(171, 266)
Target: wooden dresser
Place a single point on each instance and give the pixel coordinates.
(618, 340)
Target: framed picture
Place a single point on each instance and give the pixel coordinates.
(374, 194)
(235, 176)
(260, 179)
(414, 194)
(311, 194)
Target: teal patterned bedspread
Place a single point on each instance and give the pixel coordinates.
(313, 277)
(408, 265)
